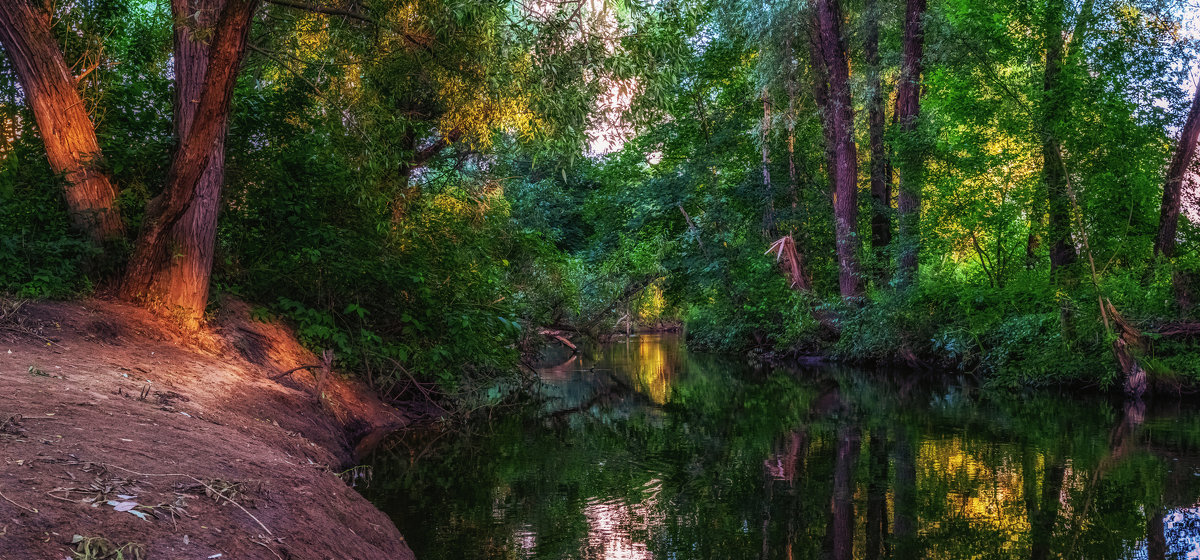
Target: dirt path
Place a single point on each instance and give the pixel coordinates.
(103, 406)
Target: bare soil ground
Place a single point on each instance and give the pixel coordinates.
(117, 430)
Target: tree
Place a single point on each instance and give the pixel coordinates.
(172, 262)
(845, 154)
(908, 109)
(1185, 151)
(881, 179)
(1054, 172)
(67, 132)
(184, 280)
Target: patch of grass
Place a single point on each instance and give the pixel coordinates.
(100, 548)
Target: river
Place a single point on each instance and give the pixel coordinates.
(641, 450)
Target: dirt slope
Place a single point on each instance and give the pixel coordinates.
(79, 444)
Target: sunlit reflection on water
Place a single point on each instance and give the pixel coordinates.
(640, 450)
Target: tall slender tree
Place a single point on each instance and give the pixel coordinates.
(881, 180)
(1054, 172)
(66, 130)
(845, 154)
(911, 161)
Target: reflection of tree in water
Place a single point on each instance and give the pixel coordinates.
(728, 463)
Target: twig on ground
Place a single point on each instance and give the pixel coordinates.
(26, 508)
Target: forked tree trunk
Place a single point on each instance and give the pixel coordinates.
(152, 272)
(1185, 151)
(845, 188)
(1062, 251)
(911, 165)
(881, 180)
(183, 283)
(66, 130)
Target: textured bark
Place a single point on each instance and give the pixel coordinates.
(881, 180)
(154, 252)
(1185, 151)
(183, 282)
(66, 130)
(1058, 232)
(911, 167)
(845, 153)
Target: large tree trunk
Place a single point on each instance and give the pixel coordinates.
(183, 282)
(1062, 251)
(1185, 151)
(66, 130)
(845, 186)
(881, 180)
(152, 272)
(911, 165)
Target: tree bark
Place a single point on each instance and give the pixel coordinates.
(66, 130)
(184, 280)
(1185, 151)
(148, 275)
(1062, 251)
(911, 165)
(881, 180)
(845, 184)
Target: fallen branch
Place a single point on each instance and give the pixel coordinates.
(9, 500)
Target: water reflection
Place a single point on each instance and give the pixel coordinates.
(641, 450)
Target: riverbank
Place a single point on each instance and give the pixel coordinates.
(119, 430)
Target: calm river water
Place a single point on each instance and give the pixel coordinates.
(642, 450)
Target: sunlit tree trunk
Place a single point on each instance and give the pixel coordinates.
(67, 132)
(1062, 251)
(911, 162)
(881, 180)
(183, 281)
(153, 272)
(841, 110)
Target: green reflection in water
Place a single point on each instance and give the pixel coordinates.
(642, 450)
